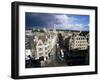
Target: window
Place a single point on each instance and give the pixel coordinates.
(46, 53)
(40, 49)
(40, 54)
(83, 47)
(40, 44)
(81, 38)
(76, 38)
(45, 48)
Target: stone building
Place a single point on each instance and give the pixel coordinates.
(43, 45)
(78, 42)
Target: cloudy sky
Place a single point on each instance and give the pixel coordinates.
(59, 21)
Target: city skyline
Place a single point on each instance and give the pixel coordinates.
(59, 21)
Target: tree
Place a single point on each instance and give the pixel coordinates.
(60, 40)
